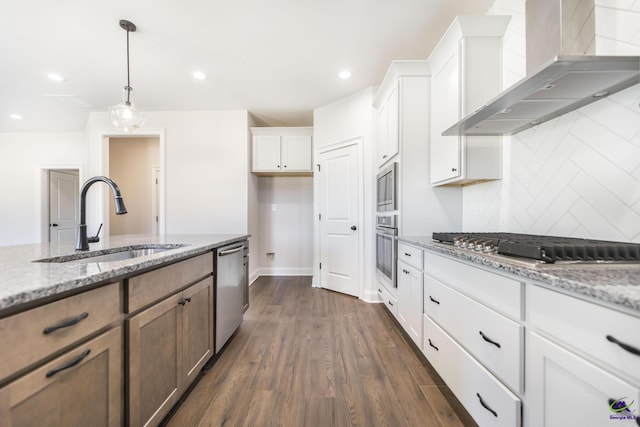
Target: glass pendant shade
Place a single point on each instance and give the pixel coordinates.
(125, 116)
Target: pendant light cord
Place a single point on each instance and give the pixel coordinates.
(128, 80)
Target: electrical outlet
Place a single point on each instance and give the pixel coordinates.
(273, 207)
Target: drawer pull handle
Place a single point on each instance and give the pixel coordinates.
(485, 406)
(390, 303)
(489, 340)
(188, 299)
(182, 301)
(66, 324)
(71, 364)
(631, 349)
(431, 344)
(407, 254)
(434, 300)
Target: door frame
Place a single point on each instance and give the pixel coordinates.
(102, 205)
(358, 142)
(43, 195)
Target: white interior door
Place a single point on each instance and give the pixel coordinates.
(339, 214)
(63, 206)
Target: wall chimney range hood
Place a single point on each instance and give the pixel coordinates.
(567, 75)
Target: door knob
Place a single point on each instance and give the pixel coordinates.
(54, 224)
(354, 228)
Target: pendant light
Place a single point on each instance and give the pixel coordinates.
(124, 115)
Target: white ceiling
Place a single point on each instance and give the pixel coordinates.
(278, 59)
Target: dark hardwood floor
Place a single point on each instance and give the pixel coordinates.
(307, 357)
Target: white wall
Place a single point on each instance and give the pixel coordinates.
(206, 168)
(22, 157)
(348, 118)
(578, 175)
(285, 212)
(252, 206)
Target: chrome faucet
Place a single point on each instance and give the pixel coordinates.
(82, 243)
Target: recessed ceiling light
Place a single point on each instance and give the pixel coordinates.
(345, 74)
(56, 77)
(15, 116)
(199, 75)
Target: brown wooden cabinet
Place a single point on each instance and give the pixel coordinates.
(168, 345)
(83, 387)
(31, 336)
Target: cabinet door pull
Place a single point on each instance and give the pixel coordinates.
(407, 254)
(485, 406)
(188, 299)
(66, 324)
(431, 344)
(390, 303)
(71, 364)
(631, 349)
(489, 340)
(182, 301)
(434, 300)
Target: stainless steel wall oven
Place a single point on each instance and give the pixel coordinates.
(386, 248)
(387, 189)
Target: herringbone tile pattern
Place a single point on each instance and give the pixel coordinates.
(578, 175)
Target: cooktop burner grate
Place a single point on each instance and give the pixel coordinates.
(545, 248)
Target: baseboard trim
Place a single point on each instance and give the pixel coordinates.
(284, 272)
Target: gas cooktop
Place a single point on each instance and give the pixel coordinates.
(548, 249)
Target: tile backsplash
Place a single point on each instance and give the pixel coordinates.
(578, 175)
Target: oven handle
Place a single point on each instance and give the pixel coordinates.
(387, 231)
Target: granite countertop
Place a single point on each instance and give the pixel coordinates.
(614, 284)
(23, 281)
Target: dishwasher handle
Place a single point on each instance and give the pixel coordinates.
(230, 251)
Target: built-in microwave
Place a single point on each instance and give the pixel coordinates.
(386, 189)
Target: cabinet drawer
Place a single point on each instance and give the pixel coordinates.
(32, 335)
(149, 287)
(586, 326)
(411, 255)
(389, 300)
(487, 400)
(82, 387)
(494, 340)
(554, 373)
(496, 291)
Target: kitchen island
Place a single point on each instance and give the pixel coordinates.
(513, 338)
(118, 339)
(24, 282)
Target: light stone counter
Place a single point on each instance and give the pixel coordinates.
(24, 282)
(616, 284)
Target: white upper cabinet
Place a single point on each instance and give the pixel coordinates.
(387, 126)
(398, 107)
(282, 151)
(466, 70)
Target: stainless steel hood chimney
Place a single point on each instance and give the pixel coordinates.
(566, 74)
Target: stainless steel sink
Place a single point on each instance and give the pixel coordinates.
(110, 255)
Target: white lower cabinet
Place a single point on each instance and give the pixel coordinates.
(493, 339)
(410, 301)
(517, 352)
(582, 362)
(486, 399)
(564, 390)
(389, 300)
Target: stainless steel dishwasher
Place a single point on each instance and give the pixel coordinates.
(229, 291)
